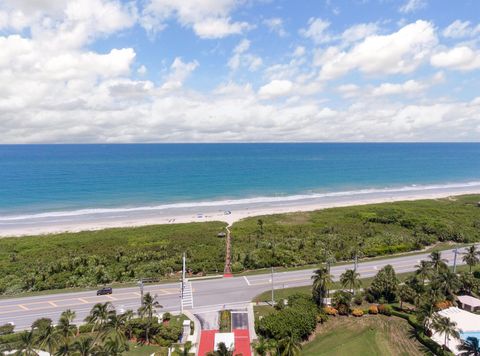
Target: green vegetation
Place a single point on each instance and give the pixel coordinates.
(105, 333)
(366, 336)
(340, 233)
(431, 288)
(124, 255)
(225, 321)
(91, 258)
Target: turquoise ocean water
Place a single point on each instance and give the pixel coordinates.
(37, 179)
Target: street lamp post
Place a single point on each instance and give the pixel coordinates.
(455, 260)
(140, 284)
(273, 298)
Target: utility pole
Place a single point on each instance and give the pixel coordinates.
(182, 287)
(140, 284)
(455, 260)
(273, 299)
(355, 263)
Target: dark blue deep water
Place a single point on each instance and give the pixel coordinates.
(42, 178)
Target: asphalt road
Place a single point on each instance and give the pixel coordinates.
(206, 294)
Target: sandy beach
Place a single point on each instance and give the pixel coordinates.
(227, 211)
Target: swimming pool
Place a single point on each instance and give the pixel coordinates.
(464, 335)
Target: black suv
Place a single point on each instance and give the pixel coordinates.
(104, 290)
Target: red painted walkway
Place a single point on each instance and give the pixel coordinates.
(242, 342)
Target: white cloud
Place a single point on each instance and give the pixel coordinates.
(412, 6)
(275, 89)
(460, 58)
(275, 24)
(317, 30)
(208, 18)
(359, 32)
(461, 29)
(408, 87)
(142, 70)
(241, 58)
(179, 71)
(399, 52)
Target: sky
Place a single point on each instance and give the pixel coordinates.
(114, 71)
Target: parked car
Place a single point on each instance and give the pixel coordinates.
(105, 290)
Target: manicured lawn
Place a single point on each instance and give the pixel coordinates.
(146, 350)
(365, 336)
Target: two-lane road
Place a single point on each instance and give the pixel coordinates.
(205, 293)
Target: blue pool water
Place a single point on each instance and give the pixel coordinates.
(42, 178)
(470, 334)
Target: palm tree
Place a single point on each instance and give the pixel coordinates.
(99, 315)
(65, 326)
(437, 261)
(48, 338)
(185, 351)
(443, 325)
(471, 257)
(222, 350)
(84, 346)
(350, 278)
(322, 280)
(424, 270)
(27, 344)
(290, 346)
(447, 282)
(149, 305)
(469, 347)
(115, 328)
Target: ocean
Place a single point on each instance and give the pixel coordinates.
(66, 180)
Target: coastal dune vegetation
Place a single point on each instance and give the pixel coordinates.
(91, 258)
(339, 234)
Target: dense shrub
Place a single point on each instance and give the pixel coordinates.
(373, 309)
(298, 319)
(444, 304)
(330, 311)
(385, 309)
(6, 329)
(384, 286)
(358, 299)
(357, 312)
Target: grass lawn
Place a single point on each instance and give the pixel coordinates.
(145, 350)
(365, 336)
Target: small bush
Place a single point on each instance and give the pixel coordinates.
(358, 299)
(476, 273)
(385, 309)
(6, 329)
(357, 312)
(322, 317)
(444, 304)
(373, 310)
(330, 311)
(166, 316)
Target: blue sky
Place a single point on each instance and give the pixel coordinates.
(239, 70)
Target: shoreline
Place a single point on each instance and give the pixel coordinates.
(229, 212)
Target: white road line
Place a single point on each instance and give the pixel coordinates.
(246, 280)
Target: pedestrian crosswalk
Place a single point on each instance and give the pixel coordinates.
(187, 297)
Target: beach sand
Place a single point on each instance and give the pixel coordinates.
(227, 211)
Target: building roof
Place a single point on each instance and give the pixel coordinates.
(469, 300)
(227, 338)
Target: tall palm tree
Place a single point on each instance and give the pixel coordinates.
(222, 350)
(469, 347)
(48, 338)
(27, 344)
(351, 279)
(84, 346)
(437, 261)
(65, 326)
(447, 282)
(471, 257)
(290, 346)
(443, 325)
(424, 270)
(150, 304)
(322, 280)
(98, 316)
(115, 328)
